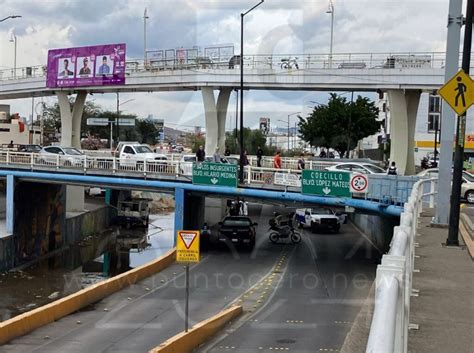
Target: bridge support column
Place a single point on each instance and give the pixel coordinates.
(178, 212)
(403, 110)
(71, 136)
(10, 209)
(215, 118)
(188, 211)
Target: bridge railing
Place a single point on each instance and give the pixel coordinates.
(280, 62)
(390, 321)
(388, 189)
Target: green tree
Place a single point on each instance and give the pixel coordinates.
(252, 139)
(340, 124)
(52, 115)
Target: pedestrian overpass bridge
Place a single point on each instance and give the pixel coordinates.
(402, 75)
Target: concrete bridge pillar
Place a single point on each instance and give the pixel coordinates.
(10, 206)
(189, 211)
(215, 118)
(71, 136)
(403, 110)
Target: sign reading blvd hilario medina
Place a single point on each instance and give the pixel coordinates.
(187, 246)
(215, 174)
(315, 182)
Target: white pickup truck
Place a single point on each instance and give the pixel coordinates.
(134, 153)
(319, 218)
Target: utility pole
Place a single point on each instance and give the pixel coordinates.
(453, 236)
(448, 115)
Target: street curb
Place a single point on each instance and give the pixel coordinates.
(29, 321)
(357, 337)
(467, 237)
(185, 342)
(468, 224)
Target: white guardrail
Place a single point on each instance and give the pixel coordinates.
(390, 321)
(146, 168)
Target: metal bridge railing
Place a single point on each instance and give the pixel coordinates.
(382, 188)
(390, 321)
(279, 63)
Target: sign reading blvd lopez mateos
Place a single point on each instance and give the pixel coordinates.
(217, 174)
(316, 182)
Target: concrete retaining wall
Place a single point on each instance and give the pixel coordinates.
(378, 229)
(7, 253)
(27, 322)
(86, 224)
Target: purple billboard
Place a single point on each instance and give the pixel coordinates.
(99, 65)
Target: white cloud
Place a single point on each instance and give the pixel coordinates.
(276, 27)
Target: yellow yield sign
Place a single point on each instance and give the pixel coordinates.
(458, 92)
(187, 246)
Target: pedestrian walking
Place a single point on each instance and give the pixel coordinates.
(246, 158)
(216, 157)
(259, 156)
(200, 154)
(301, 162)
(277, 160)
(392, 170)
(227, 152)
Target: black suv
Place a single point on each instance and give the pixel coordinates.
(237, 230)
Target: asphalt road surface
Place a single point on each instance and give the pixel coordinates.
(299, 298)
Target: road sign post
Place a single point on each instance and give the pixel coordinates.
(458, 92)
(187, 251)
(464, 97)
(316, 182)
(215, 174)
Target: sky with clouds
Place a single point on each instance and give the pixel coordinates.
(276, 27)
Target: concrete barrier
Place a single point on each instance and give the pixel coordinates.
(27, 322)
(185, 342)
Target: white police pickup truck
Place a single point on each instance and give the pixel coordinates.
(319, 218)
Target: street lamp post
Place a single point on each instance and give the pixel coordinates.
(12, 16)
(145, 17)
(289, 115)
(241, 163)
(13, 40)
(331, 11)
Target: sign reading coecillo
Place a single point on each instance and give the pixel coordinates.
(99, 65)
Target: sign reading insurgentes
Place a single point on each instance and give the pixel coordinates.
(100, 65)
(217, 174)
(324, 183)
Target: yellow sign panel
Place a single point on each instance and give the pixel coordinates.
(458, 92)
(187, 246)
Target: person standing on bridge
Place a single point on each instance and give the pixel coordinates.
(200, 154)
(301, 162)
(277, 160)
(392, 170)
(217, 156)
(259, 156)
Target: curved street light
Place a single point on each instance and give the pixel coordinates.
(241, 163)
(11, 16)
(331, 11)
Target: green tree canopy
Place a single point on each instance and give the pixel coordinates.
(252, 139)
(340, 124)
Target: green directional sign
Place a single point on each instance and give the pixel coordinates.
(216, 174)
(323, 183)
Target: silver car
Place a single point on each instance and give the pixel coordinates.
(63, 156)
